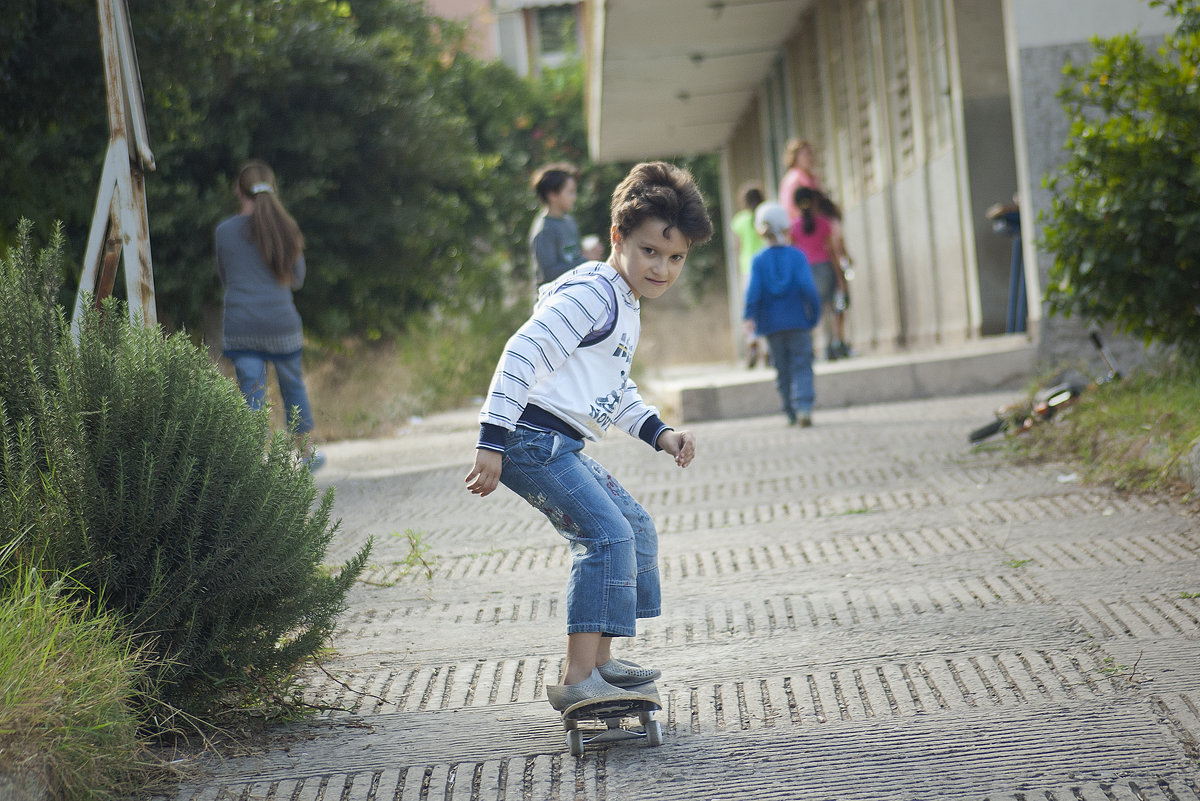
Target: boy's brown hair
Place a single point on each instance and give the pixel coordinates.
(551, 178)
(658, 190)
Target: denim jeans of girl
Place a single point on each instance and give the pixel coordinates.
(251, 368)
(614, 545)
(792, 355)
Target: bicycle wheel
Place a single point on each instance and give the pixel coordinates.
(983, 432)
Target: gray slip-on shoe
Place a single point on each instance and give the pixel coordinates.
(620, 673)
(593, 687)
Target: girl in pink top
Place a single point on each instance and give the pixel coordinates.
(813, 234)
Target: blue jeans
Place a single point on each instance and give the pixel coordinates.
(792, 355)
(614, 545)
(251, 367)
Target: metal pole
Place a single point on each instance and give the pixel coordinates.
(121, 199)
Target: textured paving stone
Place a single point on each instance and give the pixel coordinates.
(867, 609)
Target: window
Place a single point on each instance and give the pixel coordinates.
(556, 31)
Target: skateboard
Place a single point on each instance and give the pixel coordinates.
(599, 720)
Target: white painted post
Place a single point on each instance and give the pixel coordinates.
(121, 197)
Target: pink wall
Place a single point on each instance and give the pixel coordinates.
(477, 14)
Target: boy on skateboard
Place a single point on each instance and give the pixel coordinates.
(565, 377)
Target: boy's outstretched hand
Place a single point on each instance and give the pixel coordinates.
(680, 444)
(485, 475)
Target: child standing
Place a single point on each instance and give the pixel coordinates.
(813, 233)
(260, 261)
(843, 269)
(748, 244)
(799, 163)
(782, 304)
(554, 244)
(565, 377)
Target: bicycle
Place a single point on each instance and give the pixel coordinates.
(1019, 417)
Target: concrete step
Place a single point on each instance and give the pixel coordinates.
(724, 391)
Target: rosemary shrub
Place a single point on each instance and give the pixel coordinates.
(176, 504)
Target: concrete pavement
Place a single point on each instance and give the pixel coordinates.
(868, 609)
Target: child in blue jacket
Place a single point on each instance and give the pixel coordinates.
(782, 304)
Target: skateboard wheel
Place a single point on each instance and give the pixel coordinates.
(575, 742)
(654, 733)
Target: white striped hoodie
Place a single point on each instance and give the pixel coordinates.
(571, 359)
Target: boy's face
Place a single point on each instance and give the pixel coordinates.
(562, 201)
(648, 260)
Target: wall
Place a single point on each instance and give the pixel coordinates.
(480, 20)
(893, 160)
(742, 161)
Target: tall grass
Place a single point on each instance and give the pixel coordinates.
(69, 682)
(362, 389)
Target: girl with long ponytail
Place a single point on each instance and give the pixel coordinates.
(260, 261)
(814, 234)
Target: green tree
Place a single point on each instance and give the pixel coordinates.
(374, 162)
(53, 129)
(1124, 224)
(364, 121)
(405, 160)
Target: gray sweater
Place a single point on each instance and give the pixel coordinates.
(554, 246)
(259, 312)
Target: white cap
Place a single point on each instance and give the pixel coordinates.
(770, 218)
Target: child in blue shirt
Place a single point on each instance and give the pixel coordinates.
(782, 304)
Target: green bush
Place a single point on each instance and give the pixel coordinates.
(458, 354)
(188, 517)
(1124, 224)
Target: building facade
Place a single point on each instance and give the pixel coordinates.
(914, 144)
(923, 115)
(527, 35)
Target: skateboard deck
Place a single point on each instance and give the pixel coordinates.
(600, 720)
